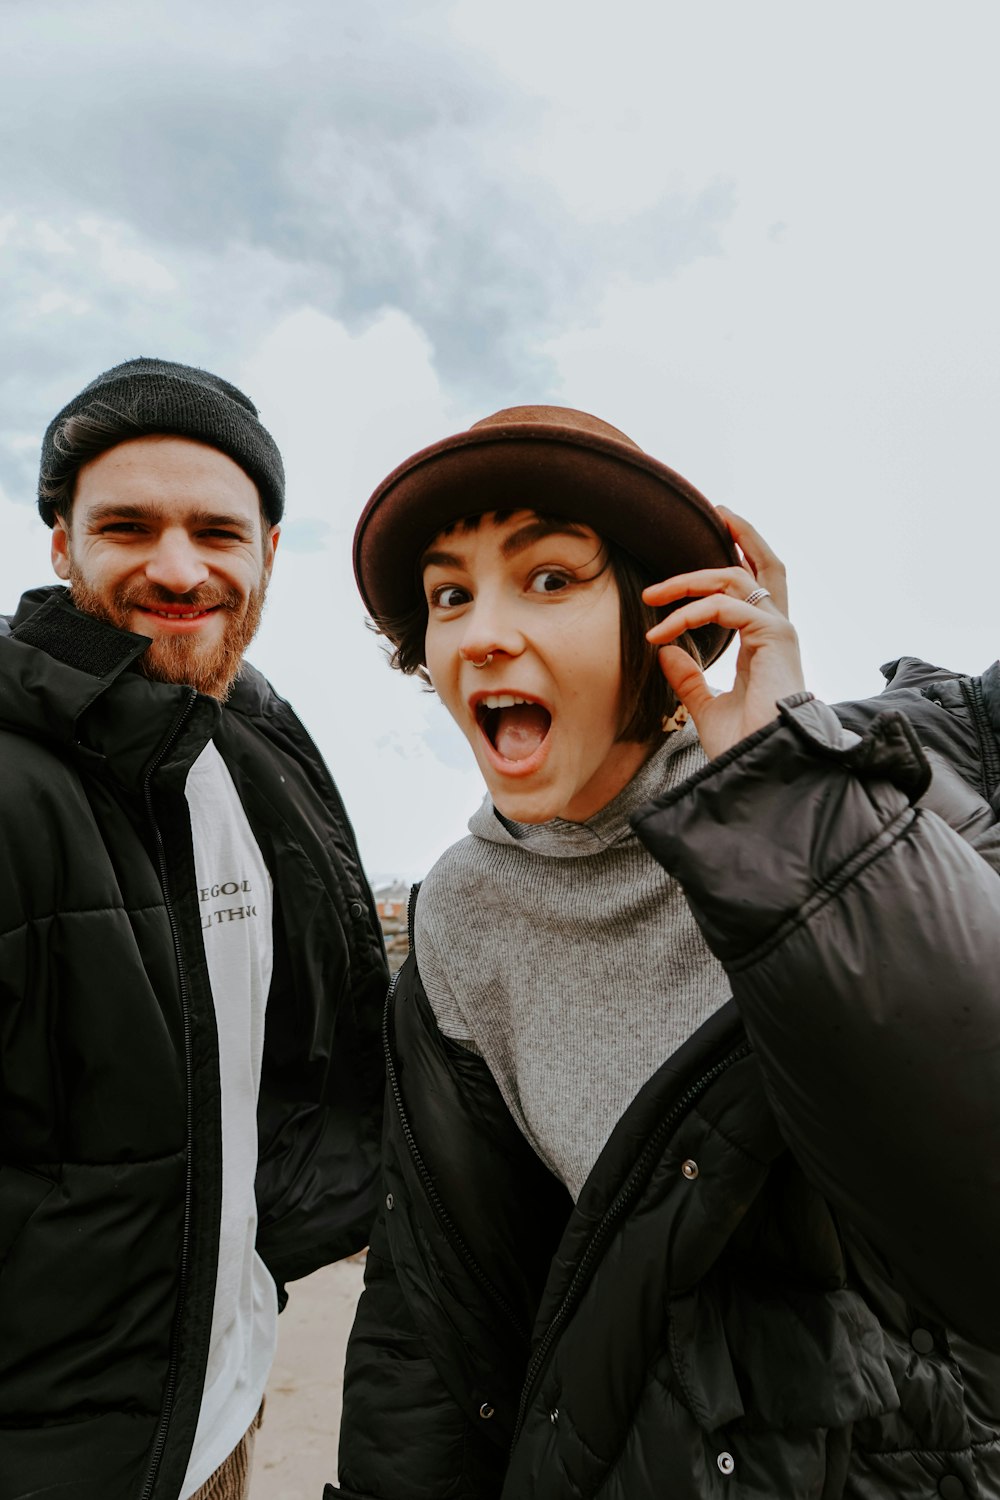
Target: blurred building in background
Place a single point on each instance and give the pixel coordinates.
(392, 899)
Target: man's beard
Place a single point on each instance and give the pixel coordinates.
(182, 658)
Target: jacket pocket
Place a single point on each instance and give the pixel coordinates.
(805, 1358)
(788, 1357)
(21, 1193)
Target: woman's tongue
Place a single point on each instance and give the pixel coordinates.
(521, 729)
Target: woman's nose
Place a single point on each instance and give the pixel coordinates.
(478, 656)
(490, 631)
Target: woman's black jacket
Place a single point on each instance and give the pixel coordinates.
(110, 1152)
(782, 1278)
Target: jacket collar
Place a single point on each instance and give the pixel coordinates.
(67, 679)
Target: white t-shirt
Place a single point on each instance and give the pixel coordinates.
(234, 890)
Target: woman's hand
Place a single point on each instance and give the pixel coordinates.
(767, 667)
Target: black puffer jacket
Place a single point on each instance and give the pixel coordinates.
(110, 1156)
(780, 1280)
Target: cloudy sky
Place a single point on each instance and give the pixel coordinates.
(761, 239)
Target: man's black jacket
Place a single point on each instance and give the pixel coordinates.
(780, 1281)
(110, 1152)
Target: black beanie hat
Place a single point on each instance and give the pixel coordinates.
(158, 396)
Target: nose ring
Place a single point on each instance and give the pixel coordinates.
(485, 661)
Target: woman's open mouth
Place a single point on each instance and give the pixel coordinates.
(515, 727)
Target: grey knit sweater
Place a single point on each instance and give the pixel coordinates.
(566, 957)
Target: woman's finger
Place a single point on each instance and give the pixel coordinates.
(736, 582)
(719, 609)
(686, 678)
(762, 560)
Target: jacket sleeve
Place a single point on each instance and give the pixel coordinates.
(861, 934)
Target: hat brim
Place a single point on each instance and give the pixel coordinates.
(626, 496)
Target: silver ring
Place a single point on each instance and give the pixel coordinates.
(757, 596)
(485, 661)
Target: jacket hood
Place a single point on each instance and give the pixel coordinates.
(912, 672)
(65, 680)
(957, 719)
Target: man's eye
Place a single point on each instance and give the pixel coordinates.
(121, 528)
(449, 596)
(217, 534)
(549, 581)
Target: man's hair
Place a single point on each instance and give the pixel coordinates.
(76, 442)
(648, 699)
(87, 435)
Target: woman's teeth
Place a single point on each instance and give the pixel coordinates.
(501, 700)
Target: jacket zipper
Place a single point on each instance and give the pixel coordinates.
(972, 692)
(411, 913)
(428, 1182)
(620, 1203)
(159, 1442)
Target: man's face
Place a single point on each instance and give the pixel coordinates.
(166, 539)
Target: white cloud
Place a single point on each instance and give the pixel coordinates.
(122, 262)
(760, 239)
(345, 408)
(49, 240)
(380, 164)
(58, 301)
(24, 552)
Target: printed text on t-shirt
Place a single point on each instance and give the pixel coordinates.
(226, 888)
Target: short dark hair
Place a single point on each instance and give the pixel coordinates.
(649, 700)
(87, 435)
(76, 441)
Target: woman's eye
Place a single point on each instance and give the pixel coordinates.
(449, 596)
(549, 581)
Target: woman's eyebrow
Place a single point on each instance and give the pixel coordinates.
(440, 560)
(525, 536)
(537, 531)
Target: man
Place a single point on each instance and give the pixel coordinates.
(191, 970)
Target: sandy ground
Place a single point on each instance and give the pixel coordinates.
(297, 1445)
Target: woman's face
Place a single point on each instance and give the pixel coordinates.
(543, 715)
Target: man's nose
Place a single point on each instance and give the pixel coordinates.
(175, 564)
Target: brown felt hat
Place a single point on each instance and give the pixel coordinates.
(550, 459)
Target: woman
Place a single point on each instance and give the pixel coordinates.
(694, 1070)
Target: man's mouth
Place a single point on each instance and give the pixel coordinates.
(516, 727)
(177, 614)
(182, 616)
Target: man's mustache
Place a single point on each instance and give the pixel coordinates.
(152, 597)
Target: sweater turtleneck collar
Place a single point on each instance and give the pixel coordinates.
(677, 758)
